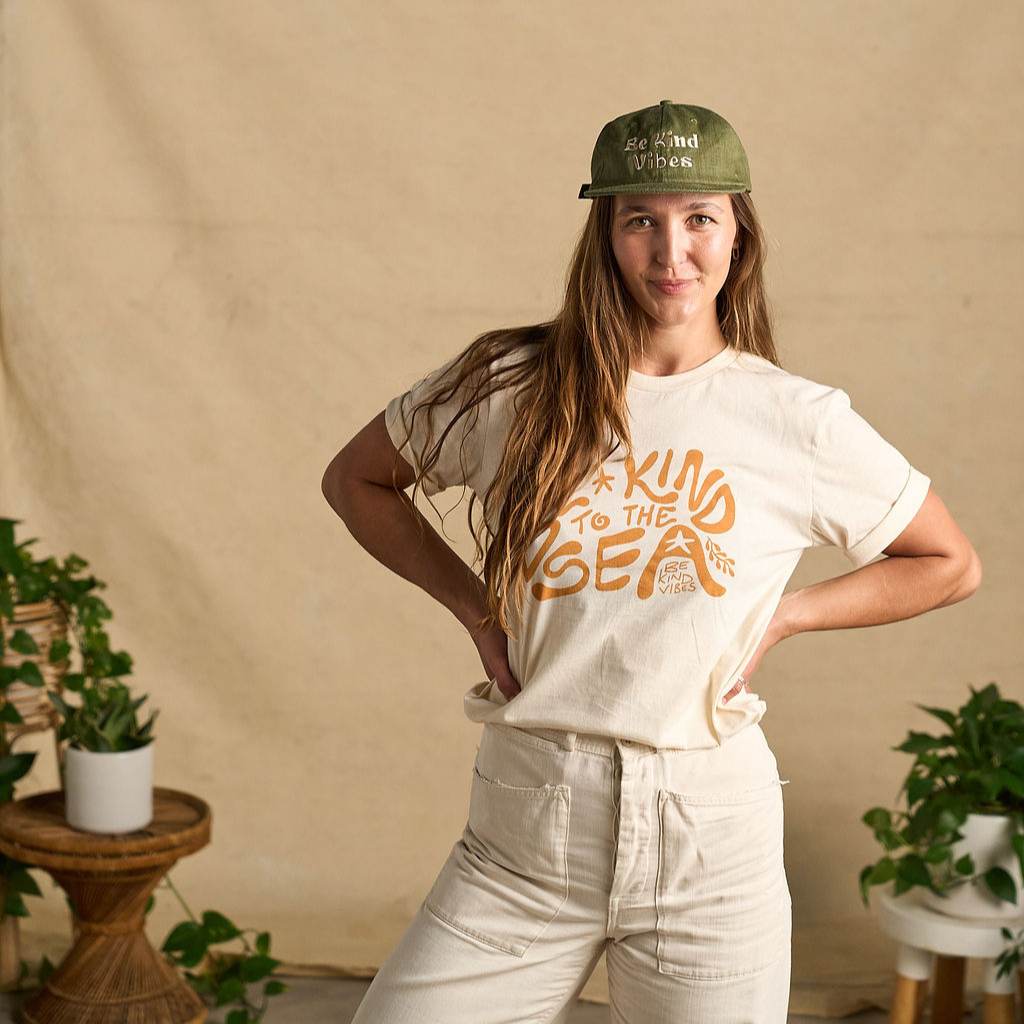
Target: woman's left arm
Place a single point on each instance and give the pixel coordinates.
(932, 564)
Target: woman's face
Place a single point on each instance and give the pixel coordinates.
(674, 237)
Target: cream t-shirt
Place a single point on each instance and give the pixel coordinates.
(656, 583)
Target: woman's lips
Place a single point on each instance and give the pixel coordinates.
(672, 286)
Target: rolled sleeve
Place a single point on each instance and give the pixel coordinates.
(864, 490)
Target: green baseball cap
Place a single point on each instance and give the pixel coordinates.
(672, 147)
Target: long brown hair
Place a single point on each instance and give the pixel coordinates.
(570, 392)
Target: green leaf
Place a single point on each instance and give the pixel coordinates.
(14, 766)
(883, 871)
(1011, 781)
(1001, 884)
(230, 990)
(875, 874)
(256, 967)
(921, 742)
(971, 731)
(950, 819)
(74, 681)
(274, 987)
(911, 869)
(188, 941)
(891, 839)
(21, 881)
(947, 717)
(28, 672)
(263, 943)
(181, 936)
(10, 713)
(965, 865)
(59, 651)
(237, 1017)
(14, 904)
(937, 854)
(877, 818)
(218, 928)
(918, 788)
(22, 642)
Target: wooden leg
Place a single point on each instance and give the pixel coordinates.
(997, 1008)
(948, 998)
(913, 970)
(907, 1000)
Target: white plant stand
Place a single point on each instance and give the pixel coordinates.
(930, 941)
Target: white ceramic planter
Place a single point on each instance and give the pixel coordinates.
(109, 791)
(986, 837)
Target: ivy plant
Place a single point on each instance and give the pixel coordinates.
(106, 719)
(974, 766)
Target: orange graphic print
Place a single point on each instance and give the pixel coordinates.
(666, 546)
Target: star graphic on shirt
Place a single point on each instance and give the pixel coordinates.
(603, 480)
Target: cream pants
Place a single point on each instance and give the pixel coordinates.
(669, 861)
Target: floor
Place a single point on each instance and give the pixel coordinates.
(334, 1001)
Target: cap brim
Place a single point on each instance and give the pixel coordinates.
(586, 192)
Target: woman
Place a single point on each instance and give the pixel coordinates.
(649, 477)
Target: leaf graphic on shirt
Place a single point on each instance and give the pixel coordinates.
(719, 557)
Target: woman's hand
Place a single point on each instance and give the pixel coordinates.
(748, 671)
(492, 646)
(776, 631)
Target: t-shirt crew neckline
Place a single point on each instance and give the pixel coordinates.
(671, 381)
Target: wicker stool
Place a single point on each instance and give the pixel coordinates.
(111, 973)
(929, 939)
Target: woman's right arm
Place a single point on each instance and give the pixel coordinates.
(357, 485)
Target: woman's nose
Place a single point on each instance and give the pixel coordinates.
(673, 247)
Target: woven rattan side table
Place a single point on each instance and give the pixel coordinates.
(111, 973)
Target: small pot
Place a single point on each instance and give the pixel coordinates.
(986, 837)
(109, 791)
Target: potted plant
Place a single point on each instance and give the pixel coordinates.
(106, 769)
(108, 764)
(39, 599)
(963, 827)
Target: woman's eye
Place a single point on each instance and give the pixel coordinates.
(636, 220)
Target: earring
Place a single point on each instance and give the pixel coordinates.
(735, 254)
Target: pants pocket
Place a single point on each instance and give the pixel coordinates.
(507, 876)
(723, 903)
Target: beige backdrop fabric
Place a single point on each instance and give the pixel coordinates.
(233, 230)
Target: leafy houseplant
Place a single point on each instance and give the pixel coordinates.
(224, 976)
(108, 769)
(105, 722)
(110, 794)
(106, 719)
(961, 779)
